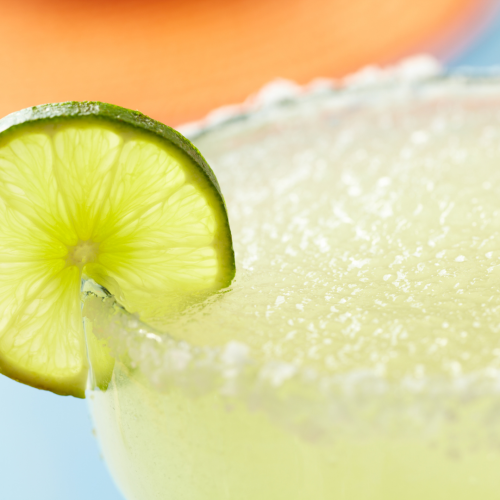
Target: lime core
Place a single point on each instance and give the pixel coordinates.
(84, 252)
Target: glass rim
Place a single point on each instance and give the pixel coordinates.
(169, 363)
(364, 84)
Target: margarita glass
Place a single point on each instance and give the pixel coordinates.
(356, 355)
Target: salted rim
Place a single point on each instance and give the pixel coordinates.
(279, 91)
(300, 398)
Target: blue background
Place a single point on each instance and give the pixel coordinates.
(47, 449)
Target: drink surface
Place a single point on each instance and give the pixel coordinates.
(356, 354)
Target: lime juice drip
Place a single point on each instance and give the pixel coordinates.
(356, 355)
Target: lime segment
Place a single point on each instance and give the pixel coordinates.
(93, 190)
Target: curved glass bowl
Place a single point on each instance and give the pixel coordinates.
(356, 355)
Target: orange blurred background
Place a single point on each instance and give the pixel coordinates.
(176, 60)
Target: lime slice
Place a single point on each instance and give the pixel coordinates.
(95, 190)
